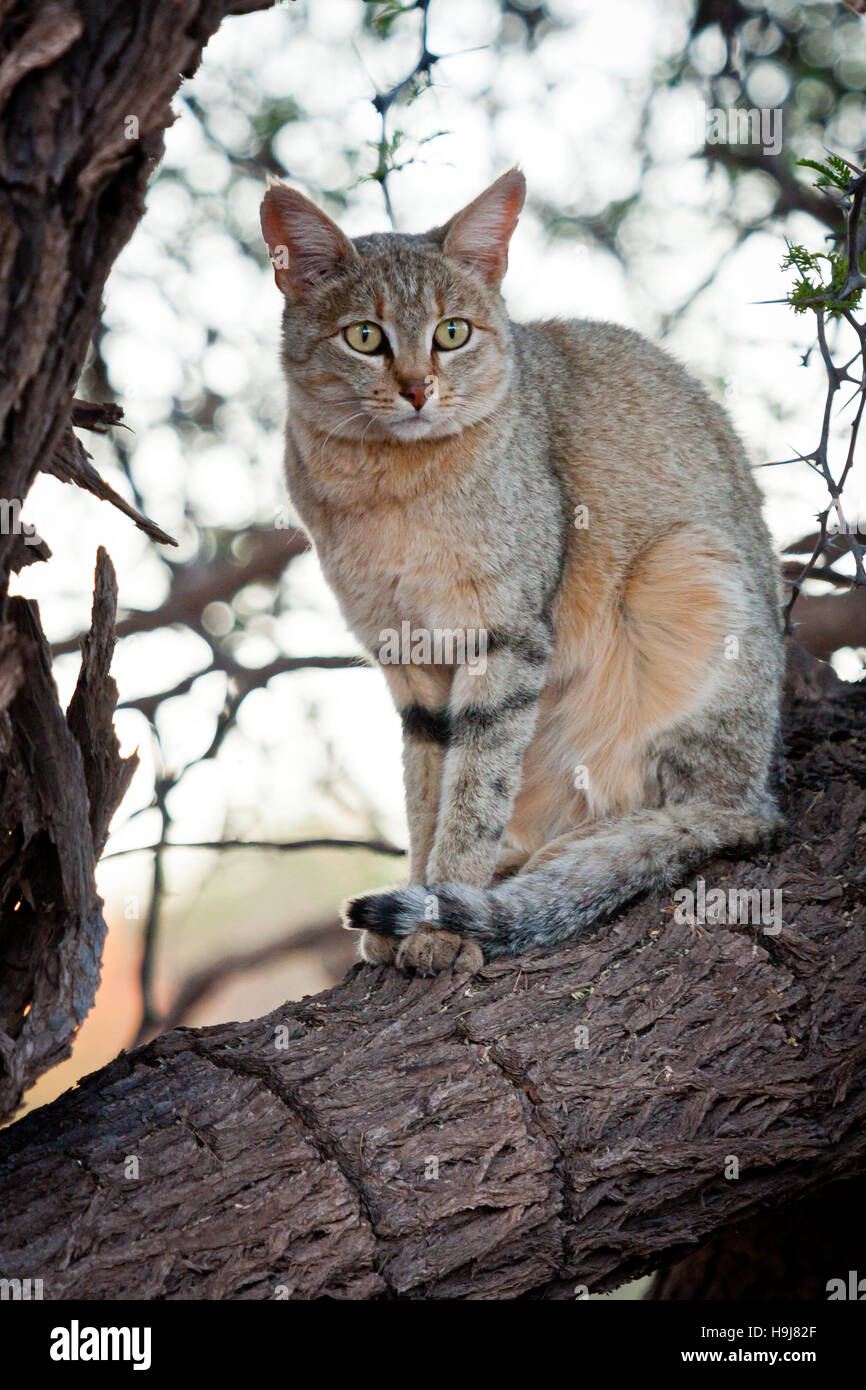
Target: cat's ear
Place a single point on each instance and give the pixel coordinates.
(305, 246)
(478, 236)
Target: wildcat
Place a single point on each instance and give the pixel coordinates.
(566, 489)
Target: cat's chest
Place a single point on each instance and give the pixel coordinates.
(394, 567)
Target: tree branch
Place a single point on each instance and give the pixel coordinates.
(452, 1138)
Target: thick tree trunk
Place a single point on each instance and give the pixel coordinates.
(85, 92)
(447, 1137)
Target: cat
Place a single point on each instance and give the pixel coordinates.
(567, 491)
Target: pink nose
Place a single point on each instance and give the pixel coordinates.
(414, 391)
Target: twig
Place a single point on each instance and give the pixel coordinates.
(384, 101)
(202, 983)
(375, 846)
(832, 302)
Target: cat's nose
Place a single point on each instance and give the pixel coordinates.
(414, 391)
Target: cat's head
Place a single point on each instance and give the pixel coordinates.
(393, 336)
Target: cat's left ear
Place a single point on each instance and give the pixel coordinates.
(305, 246)
(478, 236)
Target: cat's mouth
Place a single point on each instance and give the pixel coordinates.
(412, 426)
(416, 421)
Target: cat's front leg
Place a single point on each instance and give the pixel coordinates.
(420, 694)
(414, 692)
(484, 732)
(492, 713)
(422, 775)
(422, 780)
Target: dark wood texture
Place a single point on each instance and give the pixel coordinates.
(61, 779)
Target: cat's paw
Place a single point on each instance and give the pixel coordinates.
(377, 950)
(397, 918)
(429, 952)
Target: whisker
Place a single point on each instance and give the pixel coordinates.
(359, 414)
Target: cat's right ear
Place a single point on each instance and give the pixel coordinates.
(305, 246)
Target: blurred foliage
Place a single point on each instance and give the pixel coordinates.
(809, 59)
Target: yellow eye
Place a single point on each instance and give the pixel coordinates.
(452, 333)
(364, 337)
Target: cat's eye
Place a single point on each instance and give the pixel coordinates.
(452, 333)
(364, 337)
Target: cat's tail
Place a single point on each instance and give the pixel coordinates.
(586, 878)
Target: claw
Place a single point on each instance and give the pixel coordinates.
(430, 952)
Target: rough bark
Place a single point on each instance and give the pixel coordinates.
(396, 1138)
(61, 779)
(73, 174)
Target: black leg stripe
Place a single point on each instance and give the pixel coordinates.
(534, 651)
(439, 726)
(429, 725)
(476, 719)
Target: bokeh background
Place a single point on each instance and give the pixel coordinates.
(239, 684)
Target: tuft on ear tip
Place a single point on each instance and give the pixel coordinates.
(514, 180)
